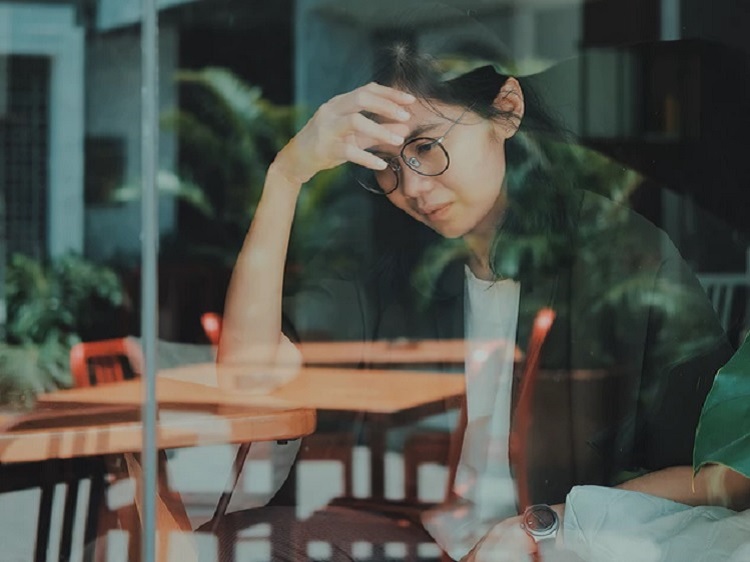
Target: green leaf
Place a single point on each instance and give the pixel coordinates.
(167, 183)
(723, 434)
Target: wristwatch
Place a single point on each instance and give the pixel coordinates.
(540, 522)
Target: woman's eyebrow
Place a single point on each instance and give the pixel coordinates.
(417, 131)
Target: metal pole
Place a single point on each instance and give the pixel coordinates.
(149, 269)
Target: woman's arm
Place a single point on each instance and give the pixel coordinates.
(252, 311)
(337, 133)
(713, 485)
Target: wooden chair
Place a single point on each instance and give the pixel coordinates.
(104, 362)
(400, 520)
(432, 447)
(45, 476)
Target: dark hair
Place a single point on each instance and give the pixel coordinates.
(538, 204)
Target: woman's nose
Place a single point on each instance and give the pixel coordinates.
(413, 184)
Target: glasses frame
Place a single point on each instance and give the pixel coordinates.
(396, 168)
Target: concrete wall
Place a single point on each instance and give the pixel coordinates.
(113, 109)
(52, 31)
(111, 14)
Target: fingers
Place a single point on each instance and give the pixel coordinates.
(345, 126)
(352, 153)
(381, 101)
(368, 130)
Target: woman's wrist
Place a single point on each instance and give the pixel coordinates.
(284, 166)
(279, 171)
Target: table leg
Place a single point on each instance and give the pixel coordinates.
(377, 436)
(377, 440)
(170, 517)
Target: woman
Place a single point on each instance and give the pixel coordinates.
(466, 158)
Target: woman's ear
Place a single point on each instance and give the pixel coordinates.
(509, 100)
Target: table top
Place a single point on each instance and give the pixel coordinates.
(383, 352)
(378, 391)
(105, 420)
(375, 391)
(251, 404)
(451, 351)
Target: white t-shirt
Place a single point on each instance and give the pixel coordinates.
(483, 477)
(491, 321)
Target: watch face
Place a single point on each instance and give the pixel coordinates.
(539, 519)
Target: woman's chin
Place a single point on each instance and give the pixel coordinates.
(447, 231)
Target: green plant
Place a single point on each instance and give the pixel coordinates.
(50, 307)
(228, 135)
(723, 434)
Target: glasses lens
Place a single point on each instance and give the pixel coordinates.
(377, 181)
(425, 156)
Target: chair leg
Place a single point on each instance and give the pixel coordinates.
(44, 519)
(226, 496)
(96, 495)
(43, 522)
(69, 512)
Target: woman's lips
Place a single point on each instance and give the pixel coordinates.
(436, 212)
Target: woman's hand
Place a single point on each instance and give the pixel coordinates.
(505, 542)
(508, 542)
(338, 132)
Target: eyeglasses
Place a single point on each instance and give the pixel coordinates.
(425, 156)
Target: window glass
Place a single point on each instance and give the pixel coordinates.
(377, 334)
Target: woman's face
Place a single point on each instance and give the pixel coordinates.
(468, 198)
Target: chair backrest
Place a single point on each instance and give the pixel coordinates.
(724, 290)
(105, 361)
(211, 322)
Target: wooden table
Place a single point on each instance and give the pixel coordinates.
(389, 398)
(190, 415)
(104, 420)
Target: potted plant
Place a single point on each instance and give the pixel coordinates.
(51, 307)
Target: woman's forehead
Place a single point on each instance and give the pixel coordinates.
(425, 112)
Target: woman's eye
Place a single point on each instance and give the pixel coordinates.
(425, 147)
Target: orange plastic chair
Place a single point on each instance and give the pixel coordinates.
(211, 322)
(105, 361)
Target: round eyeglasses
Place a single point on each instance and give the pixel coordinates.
(425, 156)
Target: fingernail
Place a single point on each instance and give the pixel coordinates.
(395, 139)
(403, 115)
(407, 96)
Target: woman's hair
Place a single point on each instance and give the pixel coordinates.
(539, 205)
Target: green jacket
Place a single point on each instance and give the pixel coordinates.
(624, 371)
